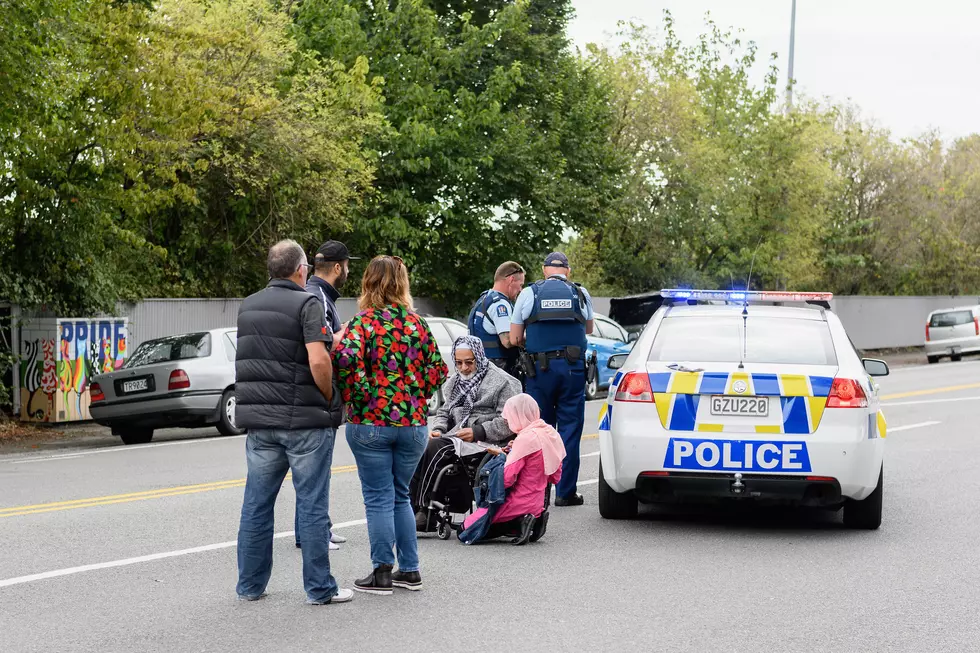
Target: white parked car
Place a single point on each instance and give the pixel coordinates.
(186, 380)
(741, 401)
(446, 331)
(953, 332)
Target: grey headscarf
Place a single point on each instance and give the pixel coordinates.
(464, 390)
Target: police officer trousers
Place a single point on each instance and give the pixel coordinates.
(560, 394)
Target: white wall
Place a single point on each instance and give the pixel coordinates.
(880, 322)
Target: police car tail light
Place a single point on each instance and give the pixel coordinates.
(846, 393)
(635, 386)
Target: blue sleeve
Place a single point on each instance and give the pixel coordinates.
(498, 316)
(589, 311)
(523, 306)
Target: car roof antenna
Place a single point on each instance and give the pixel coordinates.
(745, 308)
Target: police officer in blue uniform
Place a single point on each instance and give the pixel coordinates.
(551, 319)
(489, 319)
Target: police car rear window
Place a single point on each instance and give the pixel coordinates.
(767, 340)
(952, 318)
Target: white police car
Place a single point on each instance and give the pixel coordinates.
(738, 400)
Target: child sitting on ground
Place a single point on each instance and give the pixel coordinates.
(533, 461)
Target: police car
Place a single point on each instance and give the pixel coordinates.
(726, 397)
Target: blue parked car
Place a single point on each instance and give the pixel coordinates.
(607, 338)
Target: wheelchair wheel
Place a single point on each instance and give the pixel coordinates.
(444, 530)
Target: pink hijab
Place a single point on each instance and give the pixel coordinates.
(533, 434)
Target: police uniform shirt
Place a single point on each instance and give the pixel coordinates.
(525, 304)
(496, 320)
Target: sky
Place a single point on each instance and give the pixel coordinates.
(910, 65)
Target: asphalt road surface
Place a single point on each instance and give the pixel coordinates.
(113, 548)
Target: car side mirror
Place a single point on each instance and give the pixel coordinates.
(633, 337)
(875, 367)
(616, 361)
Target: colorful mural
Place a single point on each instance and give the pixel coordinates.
(56, 371)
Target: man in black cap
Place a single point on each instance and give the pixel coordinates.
(330, 271)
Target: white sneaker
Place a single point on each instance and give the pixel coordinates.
(343, 596)
(334, 547)
(337, 539)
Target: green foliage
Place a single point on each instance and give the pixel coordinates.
(498, 138)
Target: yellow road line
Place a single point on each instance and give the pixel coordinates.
(160, 493)
(931, 391)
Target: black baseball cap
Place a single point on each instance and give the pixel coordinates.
(333, 250)
(556, 260)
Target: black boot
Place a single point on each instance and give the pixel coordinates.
(540, 526)
(526, 528)
(574, 500)
(409, 580)
(378, 582)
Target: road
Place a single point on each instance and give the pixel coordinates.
(112, 548)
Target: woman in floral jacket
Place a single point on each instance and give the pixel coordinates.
(388, 368)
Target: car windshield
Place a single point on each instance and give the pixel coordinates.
(952, 318)
(767, 340)
(171, 348)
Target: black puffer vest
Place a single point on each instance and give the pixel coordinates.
(274, 386)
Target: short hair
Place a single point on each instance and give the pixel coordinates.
(285, 258)
(508, 269)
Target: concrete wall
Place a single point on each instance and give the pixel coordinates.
(155, 318)
(880, 322)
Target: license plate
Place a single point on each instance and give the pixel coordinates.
(740, 406)
(136, 385)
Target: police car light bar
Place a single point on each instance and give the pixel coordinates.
(746, 295)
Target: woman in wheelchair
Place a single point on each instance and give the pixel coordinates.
(468, 422)
(533, 463)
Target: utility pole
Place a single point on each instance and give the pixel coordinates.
(792, 48)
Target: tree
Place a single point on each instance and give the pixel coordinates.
(498, 139)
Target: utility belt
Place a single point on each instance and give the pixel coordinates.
(531, 363)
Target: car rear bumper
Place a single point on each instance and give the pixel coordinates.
(843, 449)
(185, 409)
(678, 487)
(953, 346)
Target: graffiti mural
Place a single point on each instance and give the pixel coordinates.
(56, 371)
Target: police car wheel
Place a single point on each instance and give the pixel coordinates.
(865, 514)
(615, 505)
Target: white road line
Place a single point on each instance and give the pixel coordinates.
(123, 448)
(909, 427)
(928, 401)
(20, 580)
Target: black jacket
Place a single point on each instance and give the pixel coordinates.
(274, 386)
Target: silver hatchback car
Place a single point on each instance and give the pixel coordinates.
(186, 380)
(953, 332)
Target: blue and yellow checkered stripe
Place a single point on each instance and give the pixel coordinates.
(802, 399)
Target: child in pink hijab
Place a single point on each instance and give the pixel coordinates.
(534, 461)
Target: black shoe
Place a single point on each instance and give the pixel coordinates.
(526, 528)
(540, 526)
(407, 580)
(378, 582)
(574, 500)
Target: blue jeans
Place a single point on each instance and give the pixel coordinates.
(560, 395)
(386, 460)
(270, 453)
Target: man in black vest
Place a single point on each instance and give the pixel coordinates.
(289, 404)
(330, 271)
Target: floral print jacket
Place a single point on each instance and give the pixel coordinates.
(388, 366)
